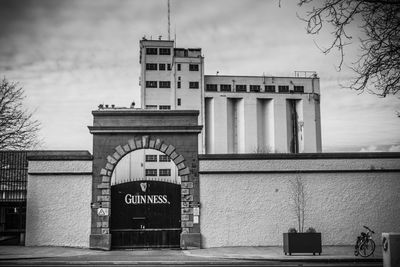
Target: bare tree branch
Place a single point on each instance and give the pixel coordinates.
(18, 129)
(377, 69)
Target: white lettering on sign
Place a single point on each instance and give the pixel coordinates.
(146, 199)
(102, 211)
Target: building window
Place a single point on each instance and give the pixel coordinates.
(151, 51)
(226, 88)
(193, 67)
(298, 88)
(179, 84)
(151, 172)
(151, 66)
(270, 88)
(151, 84)
(254, 88)
(161, 67)
(179, 101)
(168, 66)
(151, 106)
(211, 87)
(163, 158)
(13, 218)
(165, 172)
(193, 85)
(283, 88)
(179, 67)
(165, 51)
(241, 88)
(151, 158)
(164, 107)
(165, 84)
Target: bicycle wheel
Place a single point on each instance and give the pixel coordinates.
(367, 248)
(356, 248)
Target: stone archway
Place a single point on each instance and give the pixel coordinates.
(114, 138)
(145, 142)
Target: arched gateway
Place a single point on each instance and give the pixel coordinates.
(118, 132)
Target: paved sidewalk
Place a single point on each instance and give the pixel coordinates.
(22, 252)
(329, 253)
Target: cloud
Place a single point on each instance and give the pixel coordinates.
(370, 148)
(72, 55)
(381, 148)
(394, 148)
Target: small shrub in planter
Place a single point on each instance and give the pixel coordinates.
(311, 230)
(299, 242)
(309, 242)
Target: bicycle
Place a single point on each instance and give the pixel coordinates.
(365, 246)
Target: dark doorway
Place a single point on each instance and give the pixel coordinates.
(293, 127)
(145, 214)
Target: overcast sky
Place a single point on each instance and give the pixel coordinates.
(70, 56)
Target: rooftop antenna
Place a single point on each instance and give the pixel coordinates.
(169, 23)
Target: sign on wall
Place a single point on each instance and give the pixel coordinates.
(102, 211)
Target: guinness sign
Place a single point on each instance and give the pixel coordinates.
(146, 199)
(145, 205)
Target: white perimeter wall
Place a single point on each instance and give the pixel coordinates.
(247, 202)
(58, 203)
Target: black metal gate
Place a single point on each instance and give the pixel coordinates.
(145, 214)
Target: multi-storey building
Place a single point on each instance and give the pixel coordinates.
(240, 114)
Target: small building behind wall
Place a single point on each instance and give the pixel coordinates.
(59, 198)
(13, 176)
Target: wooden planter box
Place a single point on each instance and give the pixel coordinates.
(302, 243)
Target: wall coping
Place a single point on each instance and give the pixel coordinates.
(298, 163)
(145, 129)
(60, 155)
(146, 112)
(313, 156)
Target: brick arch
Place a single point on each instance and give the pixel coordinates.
(143, 143)
(134, 144)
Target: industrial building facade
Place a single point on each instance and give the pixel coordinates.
(240, 114)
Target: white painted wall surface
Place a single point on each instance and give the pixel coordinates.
(209, 125)
(254, 209)
(60, 166)
(280, 165)
(220, 122)
(58, 207)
